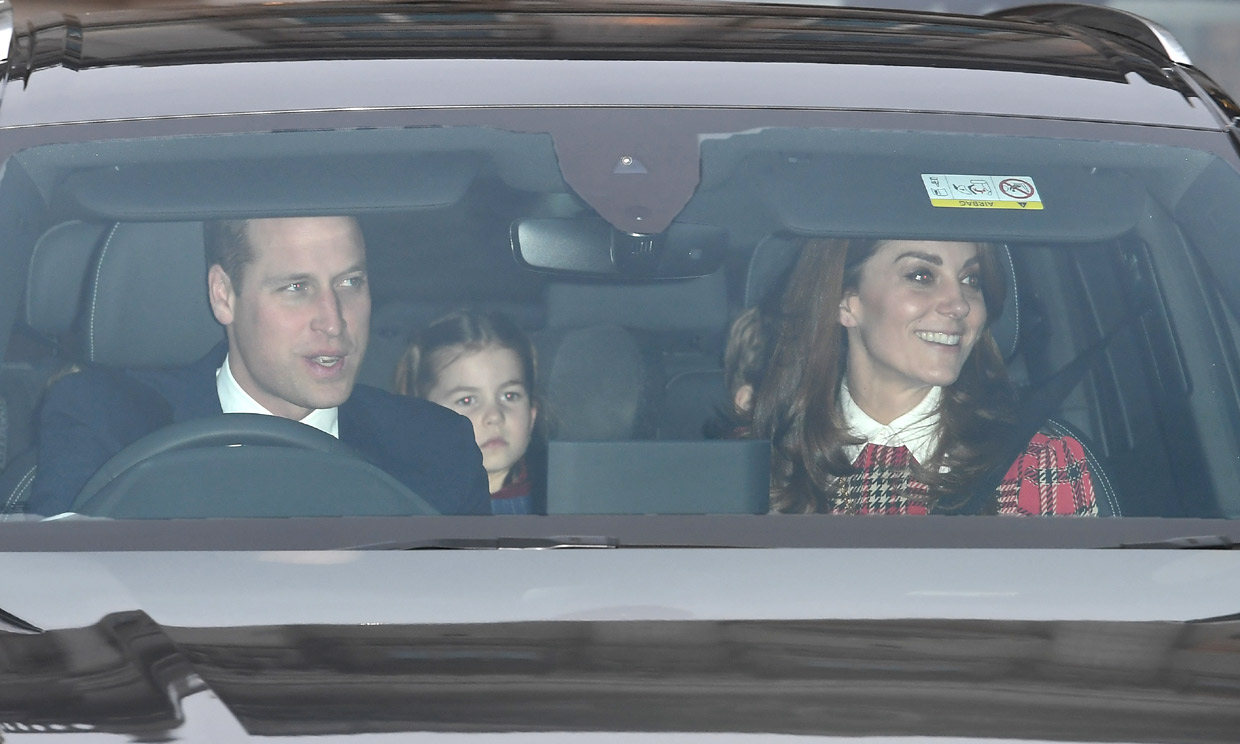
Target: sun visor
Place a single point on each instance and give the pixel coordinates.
(279, 186)
(868, 196)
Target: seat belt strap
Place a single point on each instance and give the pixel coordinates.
(1039, 403)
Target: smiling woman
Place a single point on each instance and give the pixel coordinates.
(888, 395)
(912, 319)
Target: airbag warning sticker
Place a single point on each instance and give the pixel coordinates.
(982, 192)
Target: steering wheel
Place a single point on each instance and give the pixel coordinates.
(285, 468)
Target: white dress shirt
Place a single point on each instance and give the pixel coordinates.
(917, 430)
(233, 399)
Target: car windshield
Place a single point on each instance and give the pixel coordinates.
(646, 261)
(700, 370)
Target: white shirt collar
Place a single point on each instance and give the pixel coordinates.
(918, 430)
(234, 399)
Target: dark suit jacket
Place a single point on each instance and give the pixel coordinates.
(91, 415)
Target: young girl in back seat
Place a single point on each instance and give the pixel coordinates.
(744, 366)
(482, 366)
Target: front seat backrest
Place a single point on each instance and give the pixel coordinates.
(147, 298)
(135, 291)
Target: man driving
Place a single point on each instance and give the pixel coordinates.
(293, 298)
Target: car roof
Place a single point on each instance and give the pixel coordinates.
(296, 56)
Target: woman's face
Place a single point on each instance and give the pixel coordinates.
(488, 387)
(914, 316)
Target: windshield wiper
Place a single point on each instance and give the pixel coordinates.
(15, 624)
(1202, 542)
(496, 543)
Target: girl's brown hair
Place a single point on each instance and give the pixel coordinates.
(797, 407)
(464, 331)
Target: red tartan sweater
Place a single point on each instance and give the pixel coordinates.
(1051, 478)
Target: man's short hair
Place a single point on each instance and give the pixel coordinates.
(227, 243)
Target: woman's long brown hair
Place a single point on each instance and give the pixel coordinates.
(797, 407)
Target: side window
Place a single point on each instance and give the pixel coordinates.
(1101, 306)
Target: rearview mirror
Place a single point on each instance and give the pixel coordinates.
(595, 248)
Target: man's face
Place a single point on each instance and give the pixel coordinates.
(298, 323)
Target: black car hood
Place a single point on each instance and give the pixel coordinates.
(694, 643)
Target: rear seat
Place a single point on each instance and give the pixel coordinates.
(679, 328)
(651, 354)
(616, 362)
(596, 381)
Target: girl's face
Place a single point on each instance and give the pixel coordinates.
(914, 317)
(489, 388)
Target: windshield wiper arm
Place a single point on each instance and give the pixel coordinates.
(497, 543)
(16, 625)
(1203, 542)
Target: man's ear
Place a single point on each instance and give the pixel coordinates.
(220, 293)
(848, 311)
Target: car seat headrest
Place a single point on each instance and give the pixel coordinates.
(769, 265)
(147, 297)
(597, 383)
(1006, 328)
(56, 275)
(697, 307)
(775, 256)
